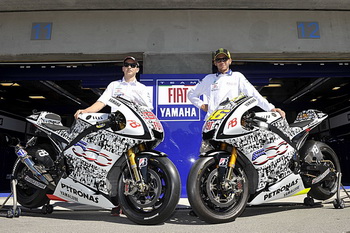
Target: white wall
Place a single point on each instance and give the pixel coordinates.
(104, 32)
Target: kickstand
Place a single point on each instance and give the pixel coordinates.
(15, 211)
(339, 203)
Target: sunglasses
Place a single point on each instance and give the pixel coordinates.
(223, 59)
(132, 65)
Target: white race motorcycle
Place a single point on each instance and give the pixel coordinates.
(105, 160)
(252, 158)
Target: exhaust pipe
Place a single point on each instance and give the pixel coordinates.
(25, 158)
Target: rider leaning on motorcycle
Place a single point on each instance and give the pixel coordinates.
(225, 84)
(128, 88)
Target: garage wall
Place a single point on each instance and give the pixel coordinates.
(40, 5)
(194, 33)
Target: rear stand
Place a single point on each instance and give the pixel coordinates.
(339, 202)
(15, 211)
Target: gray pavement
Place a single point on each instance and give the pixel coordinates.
(285, 215)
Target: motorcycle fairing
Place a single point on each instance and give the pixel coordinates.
(305, 121)
(70, 190)
(135, 126)
(229, 123)
(312, 115)
(145, 118)
(94, 155)
(50, 123)
(44, 117)
(289, 186)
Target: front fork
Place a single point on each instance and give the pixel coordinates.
(138, 167)
(232, 163)
(227, 165)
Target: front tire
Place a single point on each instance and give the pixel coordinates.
(159, 202)
(208, 201)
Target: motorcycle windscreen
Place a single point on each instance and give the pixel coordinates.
(231, 125)
(135, 125)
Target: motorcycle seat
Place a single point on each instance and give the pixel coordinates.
(57, 118)
(300, 124)
(55, 127)
(53, 116)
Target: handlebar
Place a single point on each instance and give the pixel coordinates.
(103, 123)
(252, 120)
(116, 121)
(254, 117)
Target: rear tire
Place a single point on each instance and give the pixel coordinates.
(326, 189)
(207, 201)
(27, 196)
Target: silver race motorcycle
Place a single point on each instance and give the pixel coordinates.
(253, 158)
(104, 160)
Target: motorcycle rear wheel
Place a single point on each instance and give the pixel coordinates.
(158, 204)
(208, 203)
(28, 196)
(326, 189)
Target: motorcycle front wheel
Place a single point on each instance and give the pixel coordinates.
(158, 202)
(211, 203)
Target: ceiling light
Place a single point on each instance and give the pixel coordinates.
(335, 88)
(273, 85)
(9, 84)
(36, 97)
(313, 100)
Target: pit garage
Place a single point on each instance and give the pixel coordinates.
(59, 57)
